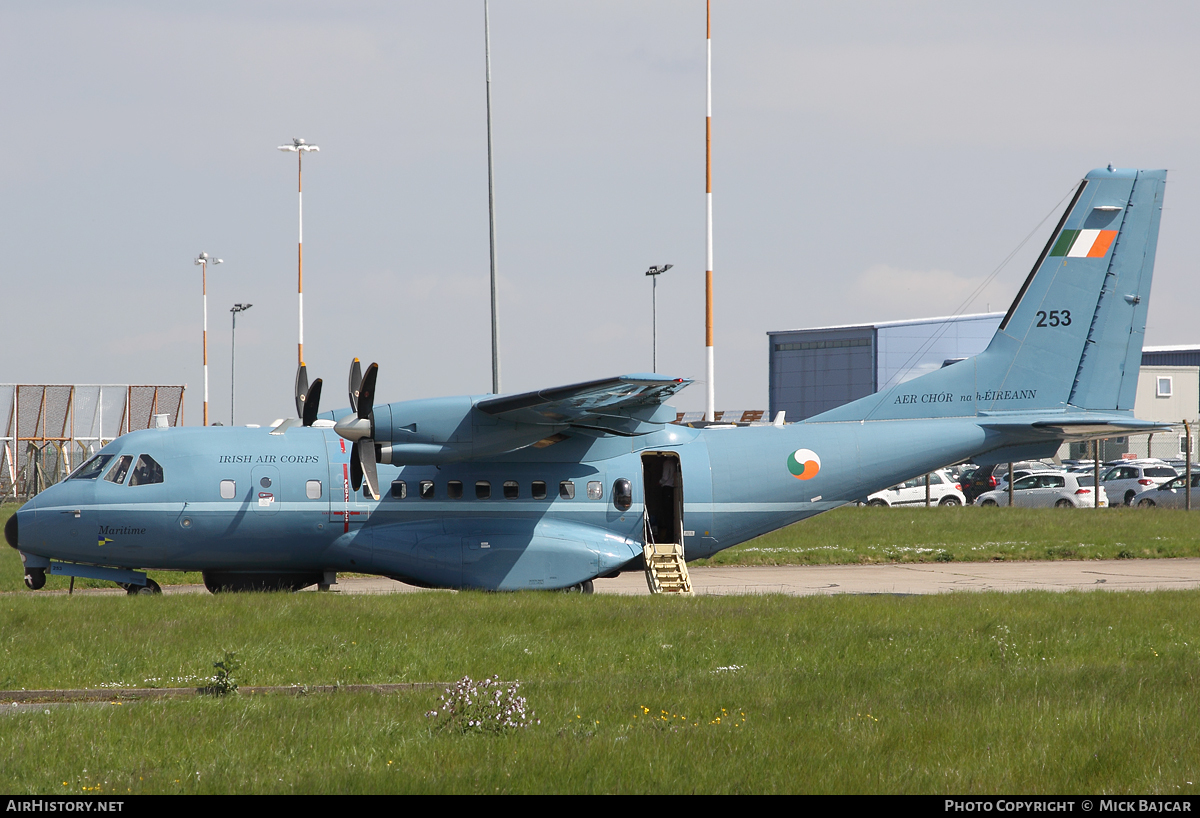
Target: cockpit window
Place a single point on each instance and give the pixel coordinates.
(92, 468)
(146, 472)
(117, 473)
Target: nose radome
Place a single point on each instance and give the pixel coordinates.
(10, 531)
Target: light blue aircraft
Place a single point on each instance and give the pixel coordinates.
(553, 489)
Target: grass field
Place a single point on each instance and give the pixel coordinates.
(979, 693)
(872, 535)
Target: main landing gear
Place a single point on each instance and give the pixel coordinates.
(150, 588)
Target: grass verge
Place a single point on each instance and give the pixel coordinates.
(985, 693)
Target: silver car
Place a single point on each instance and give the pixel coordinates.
(1047, 489)
(1130, 479)
(1170, 494)
(943, 491)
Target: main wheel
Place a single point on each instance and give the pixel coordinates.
(950, 500)
(1146, 502)
(149, 589)
(585, 587)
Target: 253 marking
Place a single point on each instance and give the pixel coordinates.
(1054, 318)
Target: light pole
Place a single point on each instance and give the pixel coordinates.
(300, 147)
(204, 260)
(487, 59)
(234, 310)
(654, 273)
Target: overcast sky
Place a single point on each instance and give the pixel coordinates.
(871, 161)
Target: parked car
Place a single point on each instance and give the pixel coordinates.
(976, 481)
(1044, 489)
(1132, 477)
(1170, 494)
(943, 491)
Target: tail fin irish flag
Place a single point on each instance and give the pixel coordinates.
(1072, 339)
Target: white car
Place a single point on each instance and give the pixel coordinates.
(943, 491)
(1045, 489)
(1127, 480)
(1170, 494)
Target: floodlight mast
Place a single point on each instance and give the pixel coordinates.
(204, 260)
(710, 405)
(654, 273)
(300, 147)
(487, 56)
(235, 309)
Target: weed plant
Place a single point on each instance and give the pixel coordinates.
(1002, 693)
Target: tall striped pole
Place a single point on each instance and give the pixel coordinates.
(710, 405)
(203, 260)
(300, 147)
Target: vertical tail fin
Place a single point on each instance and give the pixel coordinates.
(1076, 327)
(1073, 335)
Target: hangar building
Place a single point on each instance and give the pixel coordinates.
(815, 370)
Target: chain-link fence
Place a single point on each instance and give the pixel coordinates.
(50, 429)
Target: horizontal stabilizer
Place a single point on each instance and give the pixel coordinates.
(1082, 428)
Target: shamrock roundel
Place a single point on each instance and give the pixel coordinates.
(804, 464)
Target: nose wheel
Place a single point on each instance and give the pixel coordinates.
(35, 578)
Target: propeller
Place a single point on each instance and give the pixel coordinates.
(356, 377)
(308, 398)
(360, 428)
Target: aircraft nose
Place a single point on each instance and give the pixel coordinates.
(10, 531)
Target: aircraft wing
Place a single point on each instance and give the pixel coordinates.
(592, 404)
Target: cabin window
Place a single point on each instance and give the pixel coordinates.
(312, 489)
(426, 489)
(92, 468)
(539, 490)
(622, 493)
(117, 473)
(483, 490)
(265, 482)
(566, 490)
(146, 472)
(399, 489)
(228, 489)
(511, 490)
(454, 489)
(595, 490)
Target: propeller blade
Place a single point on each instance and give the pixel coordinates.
(366, 392)
(366, 452)
(312, 403)
(301, 389)
(356, 469)
(355, 383)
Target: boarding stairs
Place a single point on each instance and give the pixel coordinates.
(666, 570)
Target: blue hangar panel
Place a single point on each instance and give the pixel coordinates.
(814, 370)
